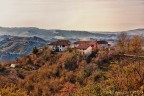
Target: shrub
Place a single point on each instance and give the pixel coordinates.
(35, 50)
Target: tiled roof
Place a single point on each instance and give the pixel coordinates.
(82, 42)
(83, 46)
(61, 42)
(102, 42)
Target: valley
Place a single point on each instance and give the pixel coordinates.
(13, 47)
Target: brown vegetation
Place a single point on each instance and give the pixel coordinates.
(104, 73)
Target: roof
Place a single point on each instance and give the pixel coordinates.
(61, 42)
(82, 42)
(94, 42)
(83, 46)
(102, 42)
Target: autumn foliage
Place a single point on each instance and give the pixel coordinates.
(107, 73)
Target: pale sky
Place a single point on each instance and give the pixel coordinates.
(89, 15)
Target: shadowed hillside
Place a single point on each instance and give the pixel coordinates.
(12, 47)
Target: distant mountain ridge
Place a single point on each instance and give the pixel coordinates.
(51, 35)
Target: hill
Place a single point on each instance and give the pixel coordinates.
(12, 47)
(72, 35)
(103, 73)
(116, 72)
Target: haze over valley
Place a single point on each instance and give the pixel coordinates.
(17, 42)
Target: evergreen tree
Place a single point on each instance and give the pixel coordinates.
(35, 50)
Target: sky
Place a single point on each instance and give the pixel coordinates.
(88, 15)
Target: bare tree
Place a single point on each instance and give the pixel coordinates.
(122, 42)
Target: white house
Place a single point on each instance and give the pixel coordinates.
(77, 43)
(103, 44)
(13, 65)
(60, 45)
(85, 49)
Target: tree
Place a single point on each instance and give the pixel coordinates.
(136, 44)
(122, 42)
(35, 50)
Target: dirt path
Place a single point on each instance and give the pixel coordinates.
(127, 55)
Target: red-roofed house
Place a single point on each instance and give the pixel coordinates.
(86, 47)
(60, 45)
(77, 43)
(90, 43)
(102, 44)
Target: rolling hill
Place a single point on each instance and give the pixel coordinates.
(51, 35)
(12, 47)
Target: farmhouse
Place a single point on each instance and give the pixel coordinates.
(13, 65)
(86, 47)
(102, 44)
(60, 45)
(90, 43)
(77, 43)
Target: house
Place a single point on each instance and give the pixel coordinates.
(86, 47)
(77, 43)
(13, 65)
(60, 45)
(93, 44)
(103, 44)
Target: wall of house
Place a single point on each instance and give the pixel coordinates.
(61, 48)
(95, 45)
(88, 51)
(142, 47)
(76, 45)
(50, 46)
(72, 46)
(102, 45)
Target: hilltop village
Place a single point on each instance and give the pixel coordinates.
(85, 47)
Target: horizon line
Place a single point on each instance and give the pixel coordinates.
(71, 29)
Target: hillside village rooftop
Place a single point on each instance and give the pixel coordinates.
(86, 47)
